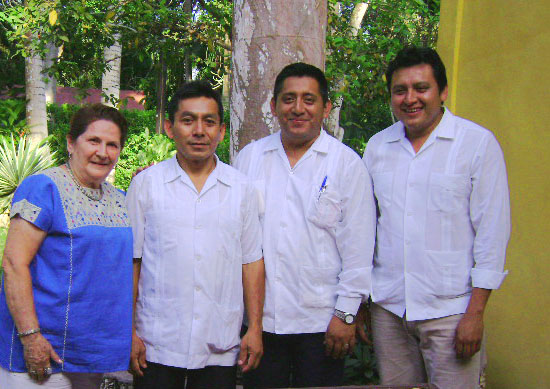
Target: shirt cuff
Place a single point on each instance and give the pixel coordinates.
(252, 257)
(348, 304)
(487, 279)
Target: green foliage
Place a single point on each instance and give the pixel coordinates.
(12, 117)
(17, 163)
(360, 367)
(141, 149)
(387, 27)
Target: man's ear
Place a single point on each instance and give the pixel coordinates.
(327, 108)
(222, 131)
(168, 128)
(444, 94)
(273, 105)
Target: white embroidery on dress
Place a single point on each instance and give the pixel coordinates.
(81, 211)
(26, 210)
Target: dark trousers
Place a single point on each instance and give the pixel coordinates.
(157, 376)
(295, 361)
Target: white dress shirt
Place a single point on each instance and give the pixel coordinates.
(318, 243)
(193, 246)
(444, 217)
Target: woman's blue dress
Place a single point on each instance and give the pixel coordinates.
(81, 275)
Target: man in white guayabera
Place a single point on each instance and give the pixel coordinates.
(318, 218)
(443, 227)
(198, 255)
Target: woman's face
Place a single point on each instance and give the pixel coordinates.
(95, 152)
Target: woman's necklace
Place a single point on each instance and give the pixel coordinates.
(90, 193)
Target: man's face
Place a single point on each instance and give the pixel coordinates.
(197, 128)
(300, 109)
(416, 99)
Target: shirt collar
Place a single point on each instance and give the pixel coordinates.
(320, 145)
(396, 132)
(175, 171)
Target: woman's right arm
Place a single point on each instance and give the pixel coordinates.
(22, 244)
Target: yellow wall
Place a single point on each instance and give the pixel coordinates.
(497, 55)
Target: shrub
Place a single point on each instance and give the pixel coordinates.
(12, 117)
(141, 149)
(17, 163)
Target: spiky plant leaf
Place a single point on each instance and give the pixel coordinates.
(17, 163)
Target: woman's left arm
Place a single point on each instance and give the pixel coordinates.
(22, 244)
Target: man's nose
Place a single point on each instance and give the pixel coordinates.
(298, 107)
(410, 96)
(199, 128)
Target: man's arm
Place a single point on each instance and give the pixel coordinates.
(134, 199)
(254, 292)
(138, 355)
(490, 216)
(469, 331)
(355, 241)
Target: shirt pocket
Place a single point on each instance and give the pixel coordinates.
(449, 273)
(383, 188)
(224, 328)
(325, 210)
(159, 321)
(318, 286)
(448, 193)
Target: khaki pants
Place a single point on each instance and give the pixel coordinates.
(11, 380)
(414, 352)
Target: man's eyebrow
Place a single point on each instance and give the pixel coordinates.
(187, 113)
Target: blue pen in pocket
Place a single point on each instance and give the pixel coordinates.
(322, 188)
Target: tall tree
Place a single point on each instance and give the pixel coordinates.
(35, 87)
(110, 82)
(268, 35)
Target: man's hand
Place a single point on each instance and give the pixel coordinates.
(362, 320)
(140, 169)
(38, 352)
(339, 338)
(251, 350)
(137, 357)
(469, 333)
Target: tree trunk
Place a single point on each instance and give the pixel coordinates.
(226, 86)
(333, 121)
(110, 83)
(268, 35)
(161, 94)
(187, 64)
(51, 84)
(36, 98)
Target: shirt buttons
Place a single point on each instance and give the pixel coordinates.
(198, 257)
(198, 201)
(197, 288)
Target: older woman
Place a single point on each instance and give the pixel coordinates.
(65, 310)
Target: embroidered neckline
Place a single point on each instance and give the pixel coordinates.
(91, 193)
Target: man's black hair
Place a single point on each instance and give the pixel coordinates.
(412, 56)
(300, 69)
(192, 90)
